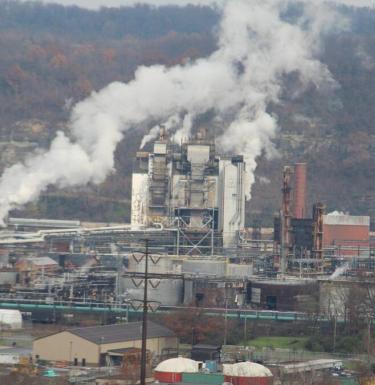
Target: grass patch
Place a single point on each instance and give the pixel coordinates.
(297, 343)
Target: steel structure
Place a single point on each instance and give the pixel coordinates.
(318, 212)
(192, 189)
(285, 217)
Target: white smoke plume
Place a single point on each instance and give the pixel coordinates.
(337, 213)
(184, 132)
(171, 124)
(263, 180)
(256, 49)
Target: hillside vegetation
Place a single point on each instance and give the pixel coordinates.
(53, 56)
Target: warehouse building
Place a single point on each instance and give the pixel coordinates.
(96, 345)
(348, 235)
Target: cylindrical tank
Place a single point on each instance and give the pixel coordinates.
(166, 291)
(163, 265)
(170, 371)
(247, 373)
(299, 190)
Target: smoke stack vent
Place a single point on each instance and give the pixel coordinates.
(300, 190)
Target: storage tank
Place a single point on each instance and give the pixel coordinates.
(247, 373)
(167, 291)
(204, 267)
(10, 318)
(170, 371)
(164, 265)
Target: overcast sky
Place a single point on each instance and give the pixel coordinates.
(116, 3)
(93, 4)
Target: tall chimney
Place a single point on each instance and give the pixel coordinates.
(299, 209)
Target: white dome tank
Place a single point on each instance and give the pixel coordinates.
(247, 373)
(178, 365)
(171, 371)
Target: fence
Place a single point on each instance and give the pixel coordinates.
(277, 355)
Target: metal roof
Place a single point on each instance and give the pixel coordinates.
(131, 331)
(342, 219)
(121, 352)
(207, 347)
(42, 261)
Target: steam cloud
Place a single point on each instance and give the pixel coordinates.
(256, 49)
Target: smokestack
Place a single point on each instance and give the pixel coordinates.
(299, 209)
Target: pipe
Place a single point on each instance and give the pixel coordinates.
(299, 206)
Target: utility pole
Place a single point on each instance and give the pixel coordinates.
(226, 321)
(144, 320)
(245, 329)
(145, 304)
(334, 333)
(369, 337)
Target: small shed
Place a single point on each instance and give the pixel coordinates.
(46, 264)
(30, 268)
(203, 352)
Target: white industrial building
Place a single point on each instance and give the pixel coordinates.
(192, 189)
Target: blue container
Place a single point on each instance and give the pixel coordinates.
(211, 366)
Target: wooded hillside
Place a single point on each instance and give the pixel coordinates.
(53, 56)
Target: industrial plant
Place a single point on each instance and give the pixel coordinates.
(192, 189)
(188, 203)
(187, 247)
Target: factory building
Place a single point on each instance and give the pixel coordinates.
(96, 345)
(348, 235)
(192, 189)
(281, 295)
(317, 242)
